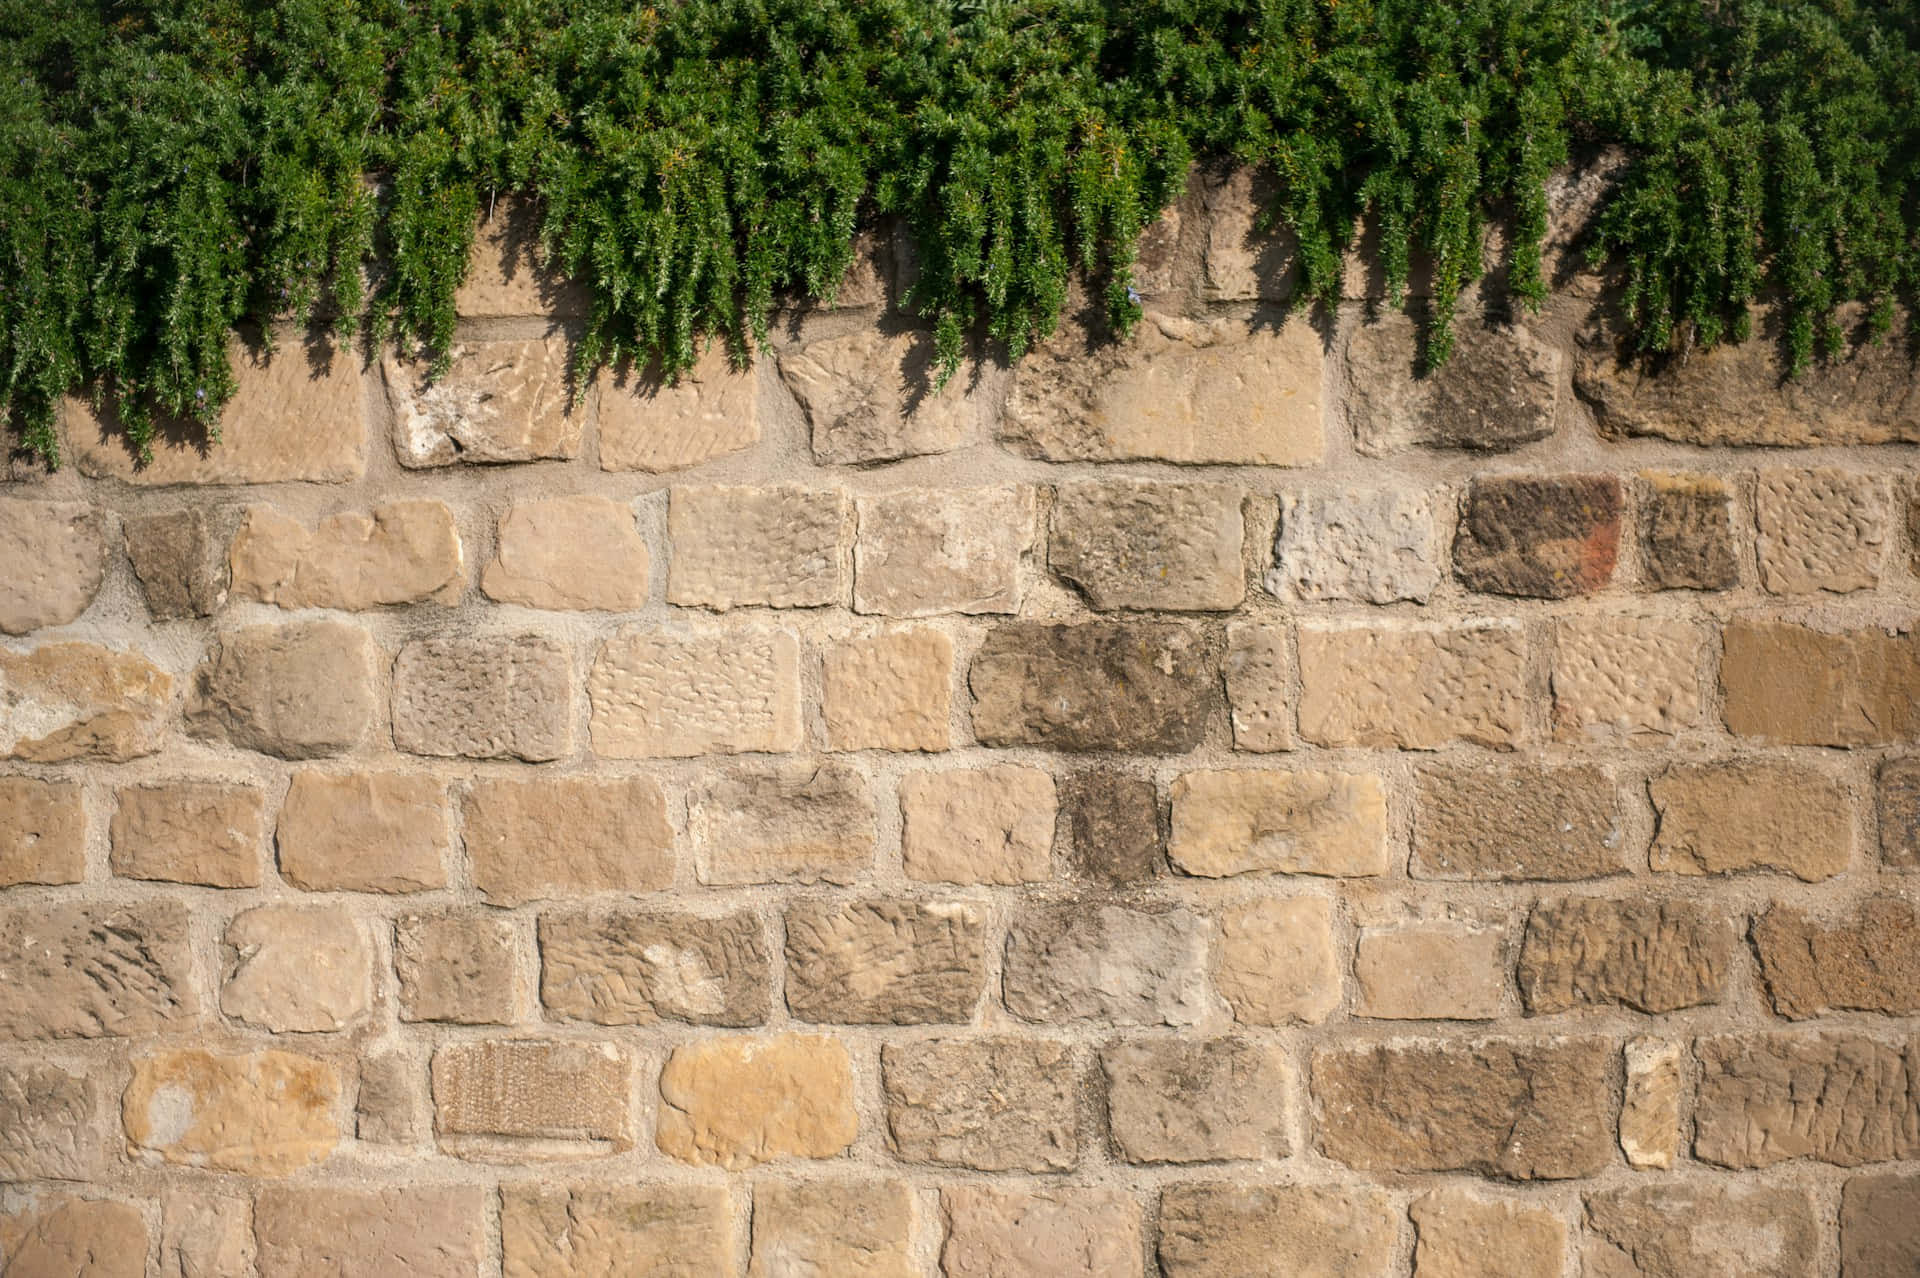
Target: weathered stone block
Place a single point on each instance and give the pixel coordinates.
(257, 1113)
(1518, 821)
(181, 568)
(1048, 1233)
(1866, 960)
(203, 1234)
(1626, 678)
(987, 825)
(1687, 523)
(510, 1100)
(1539, 536)
(1228, 1231)
(888, 692)
(569, 553)
(676, 696)
(291, 970)
(56, 557)
(987, 1103)
(801, 823)
(1258, 673)
(205, 832)
(51, 1124)
(885, 962)
(43, 832)
(1723, 818)
(84, 1237)
(1131, 967)
(509, 274)
(847, 1228)
(509, 697)
(1823, 529)
(558, 836)
(1499, 389)
(738, 1102)
(401, 553)
(713, 411)
(923, 551)
(1414, 689)
(1431, 971)
(1791, 685)
(1709, 1229)
(300, 691)
(391, 1108)
(364, 832)
(426, 1231)
(1877, 1234)
(1142, 544)
(1109, 828)
(1276, 962)
(1839, 1098)
(80, 701)
(684, 1231)
(1126, 686)
(1376, 546)
(93, 971)
(630, 968)
(500, 401)
(1246, 259)
(869, 397)
(782, 546)
(461, 968)
(1462, 1235)
(1179, 1100)
(1899, 804)
(1242, 822)
(1650, 1108)
(1651, 956)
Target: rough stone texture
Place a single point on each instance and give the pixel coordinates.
(181, 567)
(1650, 1108)
(1109, 828)
(783, 546)
(1877, 1234)
(203, 1235)
(1543, 537)
(676, 696)
(94, 971)
(497, 402)
(43, 831)
(1375, 546)
(1107, 963)
(991, 825)
(847, 1228)
(1219, 1230)
(1837, 1097)
(80, 701)
(1499, 389)
(1245, 260)
(51, 1124)
(292, 970)
(1651, 956)
(676, 1231)
(1182, 1100)
(1899, 811)
(484, 698)
(1244, 822)
(891, 691)
(1723, 818)
(1432, 971)
(1866, 959)
(508, 275)
(364, 832)
(1178, 390)
(713, 411)
(630, 968)
(428, 1231)
(266, 1113)
(1821, 529)
(570, 553)
(923, 551)
(1687, 529)
(557, 836)
(1462, 1235)
(205, 832)
(1413, 689)
(56, 557)
(737, 1102)
(508, 1100)
(1619, 677)
(82, 1237)
(1258, 674)
(1276, 962)
(869, 397)
(405, 552)
(885, 962)
(391, 1108)
(1142, 544)
(1047, 1233)
(1126, 686)
(1519, 1109)
(985, 1103)
(301, 691)
(1790, 685)
(460, 968)
(798, 823)
(1700, 1230)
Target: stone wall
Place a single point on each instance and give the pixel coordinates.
(1212, 806)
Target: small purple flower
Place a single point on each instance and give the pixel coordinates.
(1133, 295)
(200, 394)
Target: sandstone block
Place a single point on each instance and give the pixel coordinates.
(1109, 828)
(923, 551)
(631, 968)
(461, 968)
(682, 1231)
(1687, 523)
(1125, 686)
(1228, 823)
(1048, 1233)
(401, 553)
(1376, 546)
(1650, 1110)
(569, 553)
(559, 836)
(203, 1234)
(1517, 821)
(1839, 1098)
(56, 557)
(84, 1237)
(51, 1124)
(1413, 689)
(1499, 389)
(1822, 529)
(1179, 1100)
(782, 546)
(1899, 805)
(507, 697)
(869, 397)
(426, 1231)
(205, 832)
(80, 701)
(1544, 537)
(1276, 962)
(1245, 259)
(43, 832)
(258, 1113)
(1227, 1231)
(1258, 673)
(1713, 1229)
(511, 1100)
(1651, 956)
(1462, 1235)
(1867, 959)
(1791, 685)
(1626, 678)
(1538, 1109)
(738, 1102)
(300, 691)
(509, 272)
(1877, 1237)
(291, 970)
(391, 1108)
(801, 823)
(987, 825)
(889, 692)
(497, 402)
(94, 971)
(1130, 967)
(1723, 818)
(848, 1228)
(181, 569)
(1431, 971)
(364, 832)
(678, 696)
(713, 411)
(1141, 544)
(986, 1103)
(885, 962)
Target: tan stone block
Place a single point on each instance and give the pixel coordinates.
(803, 822)
(1877, 1237)
(401, 553)
(1790, 685)
(570, 553)
(1821, 529)
(1649, 955)
(1865, 959)
(461, 968)
(889, 692)
(1142, 544)
(897, 962)
(43, 832)
(560, 836)
(1109, 828)
(291, 970)
(869, 397)
(500, 401)
(1376, 545)
(780, 546)
(989, 1103)
(1258, 674)
(738, 1102)
(425, 1231)
(1046, 1233)
(58, 1236)
(676, 696)
(923, 551)
(52, 1124)
(1463, 1235)
(1431, 972)
(1246, 259)
(1723, 818)
(92, 971)
(1499, 388)
(1243, 822)
(1276, 962)
(1180, 1100)
(81, 701)
(1687, 522)
(205, 832)
(1136, 687)
(1413, 689)
(631, 968)
(677, 1231)
(1518, 821)
(258, 1113)
(203, 1234)
(1105, 962)
(1838, 1097)
(56, 557)
(391, 1108)
(1626, 678)
(300, 691)
(181, 566)
(847, 1228)
(1701, 1229)
(1650, 1111)
(1230, 1231)
(987, 825)
(504, 697)
(364, 832)
(712, 411)
(516, 1100)
(507, 273)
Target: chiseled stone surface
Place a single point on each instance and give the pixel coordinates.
(569, 553)
(1724, 818)
(95, 971)
(56, 557)
(1626, 678)
(1242, 822)
(181, 565)
(1687, 528)
(1431, 971)
(84, 1237)
(1516, 821)
(794, 823)
(1276, 963)
(1044, 1233)
(634, 968)
(65, 701)
(985, 825)
(1144, 544)
(425, 1231)
(736, 1102)
(1899, 813)
(1650, 1108)
(1543, 537)
(1101, 685)
(205, 1233)
(869, 397)
(1498, 390)
(1706, 1229)
(263, 1113)
(43, 831)
(211, 833)
(304, 690)
(1463, 1235)
(847, 1228)
(1258, 673)
(1788, 684)
(1217, 1229)
(924, 551)
(401, 553)
(1863, 959)
(659, 695)
(1196, 1100)
(459, 968)
(1821, 529)
(296, 970)
(883, 962)
(498, 401)
(364, 832)
(558, 1231)
(890, 691)
(1838, 1097)
(1877, 1237)
(506, 1100)
(1648, 955)
(1109, 829)
(544, 837)
(1107, 963)
(712, 411)
(1376, 546)
(1413, 689)
(53, 1124)
(782, 546)
(506, 697)
(988, 1103)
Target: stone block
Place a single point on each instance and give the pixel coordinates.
(405, 552)
(1144, 544)
(738, 1102)
(304, 690)
(1245, 822)
(210, 833)
(1539, 536)
(56, 557)
(569, 553)
(885, 962)
(798, 823)
(782, 546)
(923, 551)
(633, 968)
(891, 691)
(678, 696)
(986, 825)
(504, 697)
(557, 836)
(264, 1113)
(1125, 686)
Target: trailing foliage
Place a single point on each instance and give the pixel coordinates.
(170, 169)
